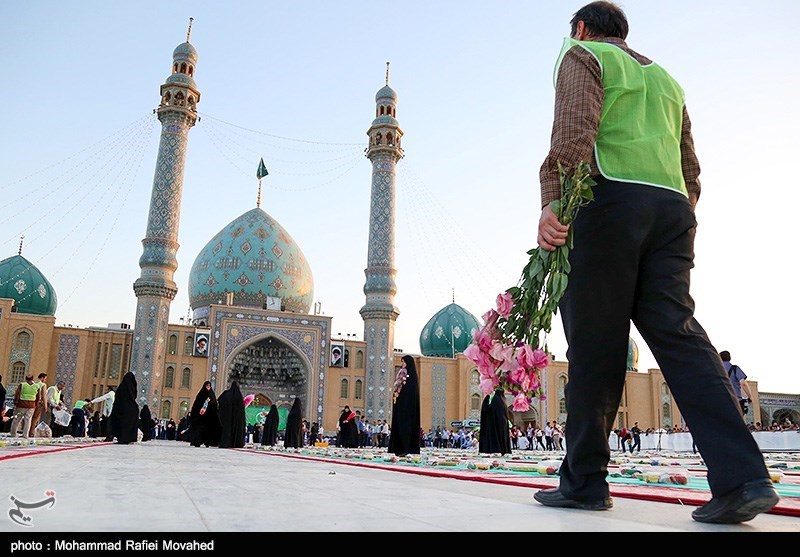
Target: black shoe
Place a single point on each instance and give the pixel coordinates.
(740, 505)
(554, 498)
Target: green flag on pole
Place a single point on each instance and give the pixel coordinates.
(262, 170)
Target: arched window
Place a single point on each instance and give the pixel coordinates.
(666, 414)
(359, 389)
(475, 378)
(562, 398)
(22, 341)
(183, 67)
(191, 70)
(173, 344)
(184, 407)
(186, 378)
(166, 408)
(17, 372)
(169, 377)
(475, 402)
(345, 390)
(188, 345)
(378, 138)
(389, 139)
(360, 360)
(381, 111)
(175, 68)
(346, 357)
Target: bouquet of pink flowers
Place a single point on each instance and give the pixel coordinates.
(510, 350)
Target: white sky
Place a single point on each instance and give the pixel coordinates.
(474, 81)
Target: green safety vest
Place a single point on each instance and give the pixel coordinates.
(28, 392)
(639, 137)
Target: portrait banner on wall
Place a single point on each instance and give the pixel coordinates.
(337, 354)
(201, 337)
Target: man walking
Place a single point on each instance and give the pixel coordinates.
(637, 437)
(633, 251)
(738, 381)
(40, 412)
(25, 400)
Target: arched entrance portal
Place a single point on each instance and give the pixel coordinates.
(270, 369)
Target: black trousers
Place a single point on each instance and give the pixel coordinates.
(633, 252)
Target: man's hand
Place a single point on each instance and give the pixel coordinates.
(552, 233)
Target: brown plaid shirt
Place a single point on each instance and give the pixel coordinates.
(579, 103)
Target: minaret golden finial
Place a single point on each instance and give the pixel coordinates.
(387, 73)
(21, 238)
(189, 32)
(454, 295)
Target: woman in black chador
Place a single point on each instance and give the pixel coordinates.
(95, 424)
(232, 418)
(204, 427)
(294, 426)
(270, 436)
(348, 430)
(495, 436)
(404, 433)
(146, 423)
(124, 420)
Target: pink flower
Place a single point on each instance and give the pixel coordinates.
(479, 358)
(525, 355)
(525, 383)
(504, 304)
(540, 359)
(489, 381)
(490, 318)
(521, 403)
(518, 375)
(504, 354)
(483, 339)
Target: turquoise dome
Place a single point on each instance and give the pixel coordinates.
(385, 92)
(633, 355)
(448, 332)
(185, 50)
(21, 281)
(253, 257)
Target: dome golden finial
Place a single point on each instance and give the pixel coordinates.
(387, 73)
(21, 238)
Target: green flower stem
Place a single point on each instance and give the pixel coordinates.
(544, 278)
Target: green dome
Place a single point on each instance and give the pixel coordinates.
(26, 285)
(253, 257)
(448, 332)
(633, 355)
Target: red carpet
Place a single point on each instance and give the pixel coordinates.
(45, 449)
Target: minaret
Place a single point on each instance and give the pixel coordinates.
(155, 288)
(379, 312)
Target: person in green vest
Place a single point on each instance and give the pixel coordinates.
(625, 116)
(26, 398)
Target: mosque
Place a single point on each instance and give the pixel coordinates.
(251, 291)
